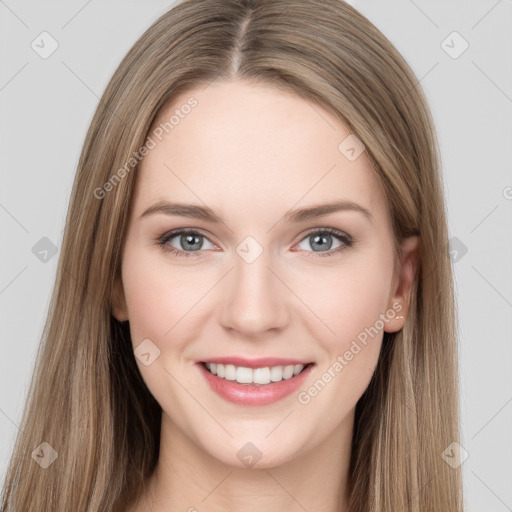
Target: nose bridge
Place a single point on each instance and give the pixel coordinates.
(255, 301)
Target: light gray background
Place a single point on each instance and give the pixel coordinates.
(47, 104)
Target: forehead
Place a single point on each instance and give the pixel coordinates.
(246, 146)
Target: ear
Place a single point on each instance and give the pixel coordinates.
(119, 308)
(400, 294)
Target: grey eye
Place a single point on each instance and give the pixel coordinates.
(320, 241)
(189, 241)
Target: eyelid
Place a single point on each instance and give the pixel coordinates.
(326, 229)
(163, 239)
(345, 239)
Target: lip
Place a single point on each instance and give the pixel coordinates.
(253, 394)
(261, 362)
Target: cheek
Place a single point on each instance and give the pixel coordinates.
(353, 309)
(341, 299)
(157, 298)
(349, 301)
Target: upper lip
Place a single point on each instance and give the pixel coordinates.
(261, 362)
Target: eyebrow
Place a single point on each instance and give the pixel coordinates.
(292, 216)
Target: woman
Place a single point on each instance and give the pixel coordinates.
(201, 352)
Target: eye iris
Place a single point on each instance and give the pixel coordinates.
(317, 238)
(188, 239)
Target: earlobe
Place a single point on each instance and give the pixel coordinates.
(119, 309)
(400, 301)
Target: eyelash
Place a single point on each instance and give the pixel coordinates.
(347, 241)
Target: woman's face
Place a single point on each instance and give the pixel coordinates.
(254, 279)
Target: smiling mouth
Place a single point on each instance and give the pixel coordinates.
(255, 376)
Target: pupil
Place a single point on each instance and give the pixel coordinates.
(316, 239)
(189, 240)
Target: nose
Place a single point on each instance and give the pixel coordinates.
(255, 298)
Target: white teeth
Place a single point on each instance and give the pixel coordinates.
(245, 375)
(288, 372)
(276, 373)
(230, 372)
(261, 375)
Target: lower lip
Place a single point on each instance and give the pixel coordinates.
(254, 394)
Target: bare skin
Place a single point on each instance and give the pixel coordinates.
(252, 153)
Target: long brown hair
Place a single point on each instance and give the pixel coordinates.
(87, 399)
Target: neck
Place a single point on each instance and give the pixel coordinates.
(188, 478)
